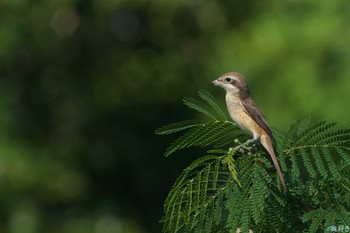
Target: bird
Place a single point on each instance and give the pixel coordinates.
(246, 114)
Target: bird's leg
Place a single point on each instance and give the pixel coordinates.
(246, 143)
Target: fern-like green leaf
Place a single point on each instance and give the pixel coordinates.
(317, 147)
(202, 135)
(344, 153)
(319, 162)
(179, 126)
(199, 106)
(307, 163)
(316, 217)
(344, 215)
(235, 204)
(205, 95)
(229, 161)
(323, 219)
(332, 168)
(295, 164)
(316, 223)
(195, 193)
(309, 135)
(330, 219)
(245, 218)
(248, 205)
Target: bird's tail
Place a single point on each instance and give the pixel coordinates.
(267, 143)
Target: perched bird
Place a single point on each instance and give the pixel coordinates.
(245, 112)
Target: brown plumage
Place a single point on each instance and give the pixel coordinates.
(246, 113)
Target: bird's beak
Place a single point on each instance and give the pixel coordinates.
(215, 82)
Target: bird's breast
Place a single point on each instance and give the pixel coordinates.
(239, 115)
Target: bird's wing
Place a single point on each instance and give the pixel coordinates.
(252, 109)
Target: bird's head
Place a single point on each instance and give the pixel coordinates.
(234, 83)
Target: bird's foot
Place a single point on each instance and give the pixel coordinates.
(245, 145)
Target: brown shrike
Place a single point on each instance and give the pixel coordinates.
(246, 113)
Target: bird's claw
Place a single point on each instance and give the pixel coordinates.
(244, 147)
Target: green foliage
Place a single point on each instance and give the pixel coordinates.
(196, 193)
(229, 189)
(218, 132)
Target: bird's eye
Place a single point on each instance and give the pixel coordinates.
(228, 79)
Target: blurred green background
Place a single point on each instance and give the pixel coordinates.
(84, 84)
